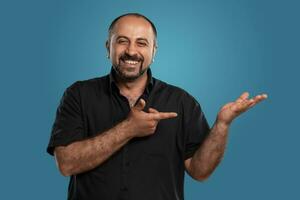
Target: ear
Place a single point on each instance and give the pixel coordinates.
(154, 50)
(107, 48)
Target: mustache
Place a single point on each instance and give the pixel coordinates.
(134, 57)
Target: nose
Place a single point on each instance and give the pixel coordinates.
(131, 49)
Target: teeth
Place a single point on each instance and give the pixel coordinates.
(131, 62)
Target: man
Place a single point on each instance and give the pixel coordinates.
(128, 135)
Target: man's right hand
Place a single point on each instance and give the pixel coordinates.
(142, 123)
(84, 155)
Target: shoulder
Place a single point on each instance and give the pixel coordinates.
(186, 102)
(174, 90)
(84, 86)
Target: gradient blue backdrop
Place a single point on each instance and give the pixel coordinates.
(213, 49)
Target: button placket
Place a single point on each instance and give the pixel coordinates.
(124, 169)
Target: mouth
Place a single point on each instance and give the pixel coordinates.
(130, 62)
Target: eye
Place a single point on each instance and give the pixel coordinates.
(142, 44)
(122, 41)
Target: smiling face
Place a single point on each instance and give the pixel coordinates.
(131, 47)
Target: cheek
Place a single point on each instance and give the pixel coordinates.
(116, 56)
(116, 51)
(147, 55)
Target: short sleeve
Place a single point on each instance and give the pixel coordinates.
(196, 127)
(68, 126)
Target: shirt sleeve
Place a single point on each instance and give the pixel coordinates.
(68, 126)
(195, 126)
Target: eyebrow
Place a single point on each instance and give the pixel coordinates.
(122, 37)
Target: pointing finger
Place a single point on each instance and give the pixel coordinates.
(163, 115)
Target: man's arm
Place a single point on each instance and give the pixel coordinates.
(87, 154)
(210, 153)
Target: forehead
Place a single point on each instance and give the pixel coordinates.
(133, 27)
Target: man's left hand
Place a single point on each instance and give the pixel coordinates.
(233, 109)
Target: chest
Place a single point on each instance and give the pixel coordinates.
(107, 111)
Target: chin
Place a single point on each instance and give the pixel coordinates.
(130, 77)
(129, 74)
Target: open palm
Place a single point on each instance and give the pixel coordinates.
(233, 109)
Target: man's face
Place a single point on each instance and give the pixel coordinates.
(131, 47)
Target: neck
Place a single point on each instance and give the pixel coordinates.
(135, 87)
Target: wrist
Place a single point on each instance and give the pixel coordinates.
(223, 121)
(127, 129)
(221, 124)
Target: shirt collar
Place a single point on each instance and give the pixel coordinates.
(113, 85)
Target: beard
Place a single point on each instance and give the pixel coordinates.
(127, 74)
(122, 74)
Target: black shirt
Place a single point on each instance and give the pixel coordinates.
(147, 168)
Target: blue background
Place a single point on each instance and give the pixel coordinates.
(213, 49)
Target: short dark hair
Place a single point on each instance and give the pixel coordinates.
(113, 23)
